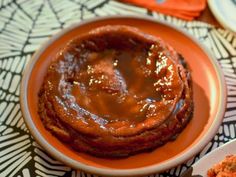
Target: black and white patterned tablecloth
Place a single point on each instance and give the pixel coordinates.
(26, 24)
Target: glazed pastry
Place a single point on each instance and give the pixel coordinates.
(116, 91)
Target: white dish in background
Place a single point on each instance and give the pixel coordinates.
(225, 12)
(204, 164)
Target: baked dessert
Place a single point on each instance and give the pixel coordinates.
(226, 168)
(116, 91)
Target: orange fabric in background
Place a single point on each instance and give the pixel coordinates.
(185, 9)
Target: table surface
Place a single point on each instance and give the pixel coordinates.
(208, 17)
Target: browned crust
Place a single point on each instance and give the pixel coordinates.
(109, 144)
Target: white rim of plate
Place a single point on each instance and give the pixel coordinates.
(219, 17)
(122, 172)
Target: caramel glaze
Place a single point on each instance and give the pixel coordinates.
(116, 91)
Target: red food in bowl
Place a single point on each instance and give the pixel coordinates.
(225, 168)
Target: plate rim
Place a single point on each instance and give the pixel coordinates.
(121, 172)
(219, 17)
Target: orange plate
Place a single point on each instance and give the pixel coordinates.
(209, 101)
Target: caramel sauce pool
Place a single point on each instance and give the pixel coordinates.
(116, 85)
